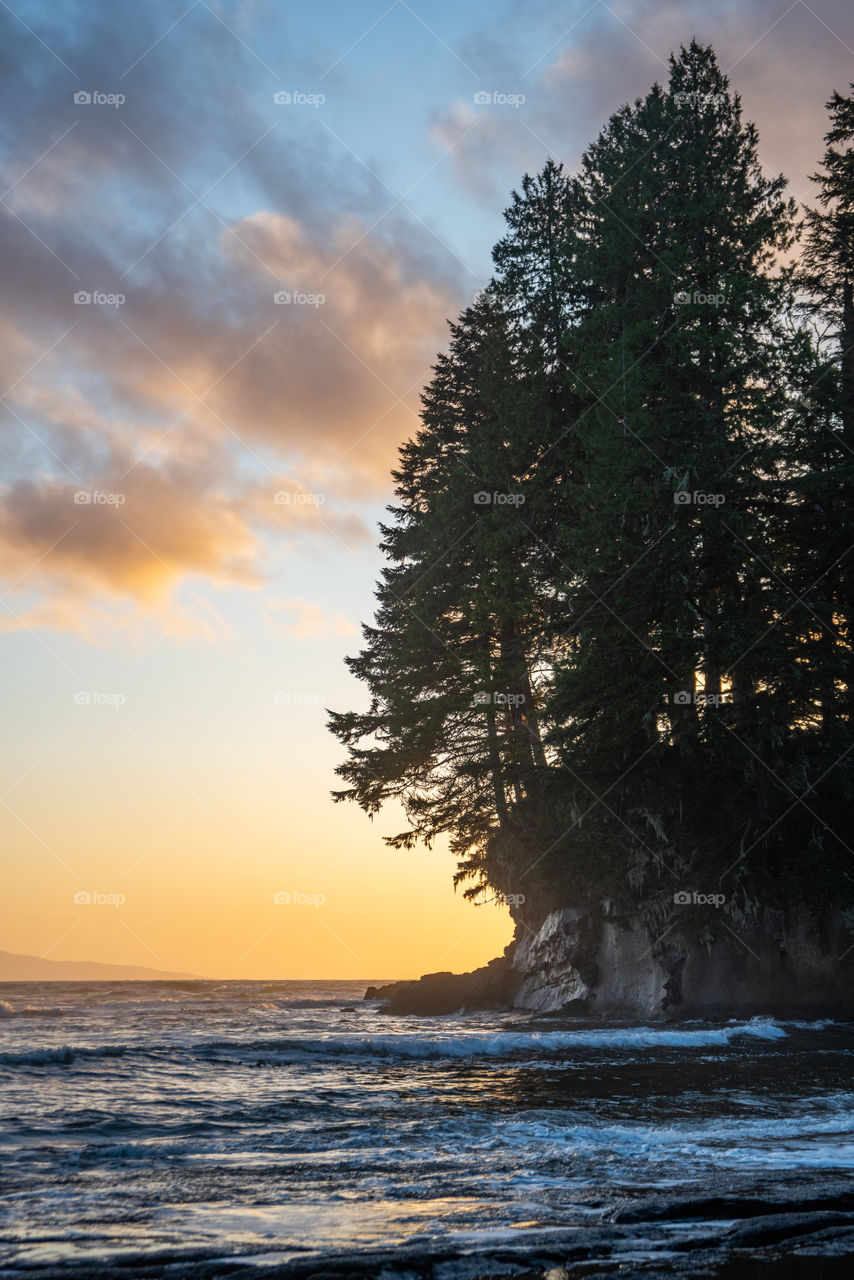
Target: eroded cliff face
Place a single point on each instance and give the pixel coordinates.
(602, 962)
(577, 959)
(598, 960)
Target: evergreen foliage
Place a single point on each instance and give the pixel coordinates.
(612, 648)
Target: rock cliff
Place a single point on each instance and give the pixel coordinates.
(700, 962)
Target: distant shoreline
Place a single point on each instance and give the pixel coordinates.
(103, 972)
(23, 968)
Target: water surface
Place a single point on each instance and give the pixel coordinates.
(266, 1117)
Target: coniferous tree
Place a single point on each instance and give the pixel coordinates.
(681, 351)
(815, 524)
(608, 654)
(446, 663)
(469, 606)
(828, 258)
(828, 276)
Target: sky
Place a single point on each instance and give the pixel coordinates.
(232, 235)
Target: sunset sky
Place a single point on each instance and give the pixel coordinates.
(193, 471)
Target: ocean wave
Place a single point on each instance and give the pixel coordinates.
(506, 1044)
(64, 1055)
(29, 1011)
(803, 1137)
(428, 1045)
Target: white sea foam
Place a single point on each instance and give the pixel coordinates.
(8, 1010)
(429, 1044)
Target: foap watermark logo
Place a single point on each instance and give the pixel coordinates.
(294, 698)
(515, 100)
(697, 498)
(95, 98)
(503, 899)
(692, 898)
(495, 499)
(83, 298)
(297, 98)
(95, 698)
(495, 698)
(294, 298)
(284, 898)
(83, 898)
(699, 698)
(98, 498)
(510, 301)
(697, 298)
(288, 498)
(699, 100)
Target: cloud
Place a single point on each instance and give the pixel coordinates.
(305, 618)
(188, 391)
(784, 63)
(197, 200)
(489, 145)
(135, 533)
(201, 339)
(132, 536)
(99, 622)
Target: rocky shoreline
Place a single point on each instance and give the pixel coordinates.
(601, 961)
(805, 1234)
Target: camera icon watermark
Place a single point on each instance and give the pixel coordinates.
(699, 698)
(510, 301)
(83, 298)
(484, 499)
(489, 698)
(699, 99)
(94, 698)
(293, 698)
(483, 99)
(296, 98)
(698, 498)
(285, 899)
(699, 299)
(83, 98)
(294, 298)
(97, 498)
(83, 898)
(685, 898)
(503, 899)
(285, 498)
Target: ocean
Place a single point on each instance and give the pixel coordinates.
(243, 1126)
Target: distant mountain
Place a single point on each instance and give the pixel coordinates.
(17, 968)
